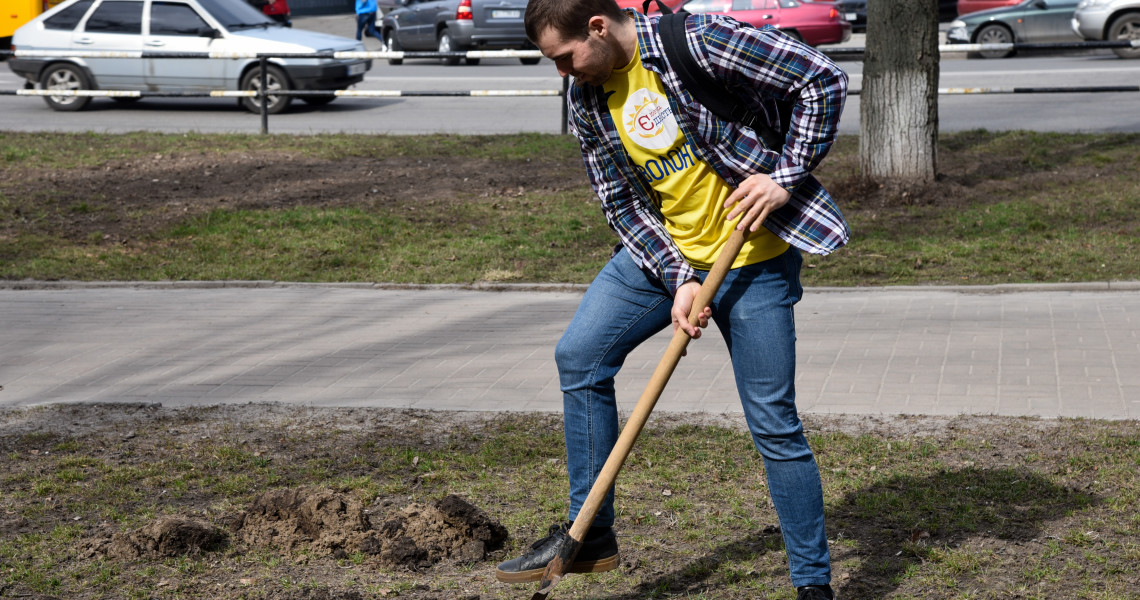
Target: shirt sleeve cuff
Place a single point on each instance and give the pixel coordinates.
(677, 275)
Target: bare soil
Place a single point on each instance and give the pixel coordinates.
(125, 200)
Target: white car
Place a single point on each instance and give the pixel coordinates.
(1109, 20)
(178, 26)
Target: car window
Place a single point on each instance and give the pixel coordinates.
(69, 17)
(236, 15)
(702, 6)
(116, 17)
(175, 18)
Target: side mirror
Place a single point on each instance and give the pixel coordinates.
(209, 32)
(1040, 4)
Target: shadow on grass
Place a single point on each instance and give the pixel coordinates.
(896, 522)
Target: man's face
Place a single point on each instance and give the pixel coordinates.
(589, 60)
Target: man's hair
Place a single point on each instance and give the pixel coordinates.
(570, 18)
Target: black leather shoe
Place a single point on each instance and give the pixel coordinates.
(815, 592)
(599, 553)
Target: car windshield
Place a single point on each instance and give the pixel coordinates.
(236, 14)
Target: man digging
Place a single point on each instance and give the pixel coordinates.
(674, 181)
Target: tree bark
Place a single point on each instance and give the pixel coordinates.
(898, 104)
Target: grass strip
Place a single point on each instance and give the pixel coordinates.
(1012, 207)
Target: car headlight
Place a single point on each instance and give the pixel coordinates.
(1092, 3)
(957, 24)
(958, 33)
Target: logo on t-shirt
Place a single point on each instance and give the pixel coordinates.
(649, 120)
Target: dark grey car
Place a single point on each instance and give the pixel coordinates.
(855, 11)
(454, 26)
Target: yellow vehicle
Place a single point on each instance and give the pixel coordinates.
(14, 13)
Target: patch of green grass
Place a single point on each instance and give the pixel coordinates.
(1011, 207)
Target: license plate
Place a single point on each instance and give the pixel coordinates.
(506, 14)
(357, 69)
(852, 16)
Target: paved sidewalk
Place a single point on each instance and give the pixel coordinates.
(1047, 351)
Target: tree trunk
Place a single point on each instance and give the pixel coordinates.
(898, 104)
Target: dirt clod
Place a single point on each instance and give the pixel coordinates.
(303, 518)
(419, 535)
(167, 537)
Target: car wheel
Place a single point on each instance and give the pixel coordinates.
(530, 61)
(391, 44)
(795, 35)
(446, 44)
(1124, 28)
(65, 77)
(275, 80)
(994, 34)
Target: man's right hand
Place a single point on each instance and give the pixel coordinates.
(683, 304)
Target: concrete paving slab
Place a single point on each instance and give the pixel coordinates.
(1048, 351)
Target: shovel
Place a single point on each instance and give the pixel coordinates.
(572, 543)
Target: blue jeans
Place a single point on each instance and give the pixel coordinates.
(622, 308)
(367, 21)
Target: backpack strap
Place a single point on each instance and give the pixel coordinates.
(709, 92)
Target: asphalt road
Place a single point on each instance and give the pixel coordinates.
(1081, 112)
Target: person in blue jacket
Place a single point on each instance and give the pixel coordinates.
(366, 19)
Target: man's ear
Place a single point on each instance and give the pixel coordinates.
(598, 24)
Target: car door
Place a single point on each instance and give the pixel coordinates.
(406, 28)
(1053, 22)
(423, 23)
(113, 26)
(175, 26)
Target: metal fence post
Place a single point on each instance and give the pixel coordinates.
(263, 96)
(565, 97)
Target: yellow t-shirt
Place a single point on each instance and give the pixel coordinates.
(692, 194)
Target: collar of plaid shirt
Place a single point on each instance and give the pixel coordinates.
(758, 64)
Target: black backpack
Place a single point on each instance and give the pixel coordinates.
(707, 90)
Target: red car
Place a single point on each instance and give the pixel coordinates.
(808, 22)
(969, 6)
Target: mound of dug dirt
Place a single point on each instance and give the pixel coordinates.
(420, 536)
(303, 518)
(166, 537)
(322, 521)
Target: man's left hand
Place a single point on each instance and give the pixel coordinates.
(755, 199)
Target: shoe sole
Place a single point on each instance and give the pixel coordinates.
(580, 566)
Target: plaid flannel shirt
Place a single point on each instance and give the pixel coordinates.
(760, 65)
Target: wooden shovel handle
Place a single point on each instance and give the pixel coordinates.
(653, 389)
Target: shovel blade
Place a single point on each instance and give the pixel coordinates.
(557, 566)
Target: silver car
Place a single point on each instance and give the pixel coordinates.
(1110, 20)
(219, 26)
